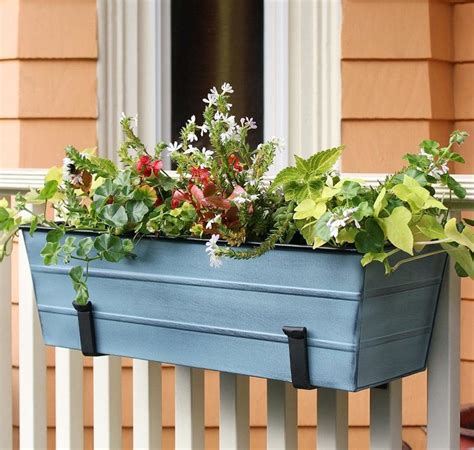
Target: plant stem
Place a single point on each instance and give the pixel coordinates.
(414, 258)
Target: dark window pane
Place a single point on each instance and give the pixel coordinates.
(214, 41)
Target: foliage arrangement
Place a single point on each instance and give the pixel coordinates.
(220, 193)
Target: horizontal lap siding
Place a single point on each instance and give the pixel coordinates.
(407, 74)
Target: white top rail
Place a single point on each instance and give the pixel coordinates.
(21, 180)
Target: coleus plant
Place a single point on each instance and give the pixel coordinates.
(219, 192)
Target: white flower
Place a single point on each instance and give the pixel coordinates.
(348, 212)
(68, 168)
(244, 198)
(227, 88)
(192, 136)
(228, 106)
(334, 225)
(212, 249)
(190, 150)
(438, 171)
(172, 147)
(216, 219)
(250, 123)
(207, 153)
(192, 119)
(204, 129)
(211, 99)
(278, 143)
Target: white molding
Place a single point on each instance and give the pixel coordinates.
(315, 76)
(276, 78)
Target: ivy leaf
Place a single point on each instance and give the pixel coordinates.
(49, 190)
(363, 210)
(109, 247)
(309, 208)
(371, 239)
(54, 235)
(85, 246)
(350, 189)
(380, 202)
(136, 211)
(79, 284)
(321, 229)
(463, 258)
(115, 215)
(430, 227)
(397, 230)
(68, 248)
(465, 238)
(50, 253)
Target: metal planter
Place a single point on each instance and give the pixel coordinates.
(363, 328)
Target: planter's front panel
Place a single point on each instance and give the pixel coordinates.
(169, 305)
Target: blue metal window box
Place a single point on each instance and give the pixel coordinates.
(363, 328)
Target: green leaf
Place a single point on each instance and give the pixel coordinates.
(55, 235)
(115, 215)
(50, 188)
(465, 238)
(371, 239)
(463, 257)
(285, 176)
(321, 229)
(103, 193)
(50, 253)
(322, 162)
(429, 146)
(309, 208)
(77, 274)
(397, 230)
(459, 191)
(380, 202)
(85, 246)
(109, 247)
(456, 157)
(350, 189)
(68, 248)
(363, 210)
(136, 211)
(127, 245)
(78, 282)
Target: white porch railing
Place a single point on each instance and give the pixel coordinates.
(332, 407)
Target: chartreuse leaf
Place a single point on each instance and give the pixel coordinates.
(55, 173)
(397, 230)
(49, 190)
(466, 237)
(415, 195)
(430, 227)
(380, 202)
(347, 235)
(371, 239)
(309, 208)
(463, 258)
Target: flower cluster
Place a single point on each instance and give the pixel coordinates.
(219, 193)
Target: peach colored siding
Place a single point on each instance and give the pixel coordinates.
(407, 71)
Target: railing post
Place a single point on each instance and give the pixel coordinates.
(6, 353)
(234, 412)
(69, 407)
(146, 405)
(282, 417)
(444, 368)
(386, 417)
(107, 402)
(33, 425)
(332, 431)
(189, 408)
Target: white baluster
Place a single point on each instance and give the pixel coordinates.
(386, 417)
(33, 431)
(332, 420)
(107, 402)
(69, 408)
(443, 368)
(234, 412)
(189, 408)
(6, 353)
(146, 405)
(282, 407)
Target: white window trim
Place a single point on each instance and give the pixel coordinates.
(302, 73)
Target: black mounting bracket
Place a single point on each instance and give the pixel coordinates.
(86, 329)
(299, 363)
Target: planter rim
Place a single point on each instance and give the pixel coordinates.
(347, 249)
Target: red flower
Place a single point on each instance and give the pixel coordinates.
(235, 162)
(177, 198)
(200, 174)
(157, 166)
(143, 164)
